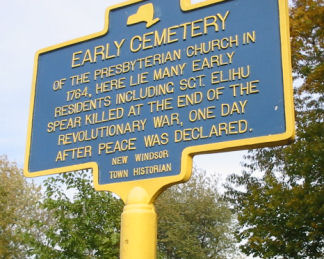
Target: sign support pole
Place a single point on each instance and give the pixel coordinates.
(138, 227)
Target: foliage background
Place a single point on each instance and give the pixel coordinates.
(279, 198)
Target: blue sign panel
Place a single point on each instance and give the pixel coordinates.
(164, 77)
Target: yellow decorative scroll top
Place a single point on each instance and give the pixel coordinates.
(145, 13)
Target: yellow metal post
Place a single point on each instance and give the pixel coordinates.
(138, 227)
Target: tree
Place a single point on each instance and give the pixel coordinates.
(306, 29)
(18, 207)
(194, 221)
(279, 196)
(86, 223)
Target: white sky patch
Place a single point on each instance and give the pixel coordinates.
(28, 26)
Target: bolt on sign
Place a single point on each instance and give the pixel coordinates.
(165, 80)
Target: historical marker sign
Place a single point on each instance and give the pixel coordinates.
(164, 81)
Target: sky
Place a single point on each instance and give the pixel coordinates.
(30, 25)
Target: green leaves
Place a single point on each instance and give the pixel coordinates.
(18, 208)
(307, 33)
(281, 208)
(72, 220)
(279, 198)
(194, 221)
(86, 223)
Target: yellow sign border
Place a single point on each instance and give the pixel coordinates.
(155, 186)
